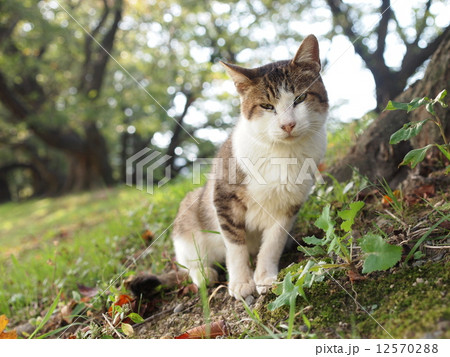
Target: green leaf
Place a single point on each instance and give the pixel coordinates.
(430, 108)
(311, 252)
(313, 240)
(325, 222)
(47, 315)
(396, 106)
(407, 132)
(349, 215)
(408, 107)
(306, 321)
(416, 103)
(136, 318)
(379, 254)
(289, 291)
(415, 156)
(440, 98)
(444, 151)
(127, 329)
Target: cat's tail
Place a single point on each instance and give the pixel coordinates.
(144, 285)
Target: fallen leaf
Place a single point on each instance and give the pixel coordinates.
(87, 291)
(66, 313)
(6, 335)
(445, 225)
(127, 329)
(386, 200)
(3, 322)
(217, 329)
(147, 235)
(120, 301)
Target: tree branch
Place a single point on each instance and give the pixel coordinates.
(415, 56)
(65, 140)
(422, 23)
(341, 18)
(385, 11)
(177, 131)
(88, 45)
(99, 67)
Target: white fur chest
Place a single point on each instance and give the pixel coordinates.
(275, 178)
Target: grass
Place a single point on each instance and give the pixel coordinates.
(53, 244)
(50, 245)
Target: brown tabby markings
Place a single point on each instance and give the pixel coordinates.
(267, 80)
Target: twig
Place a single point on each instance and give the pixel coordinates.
(111, 325)
(437, 246)
(215, 292)
(168, 311)
(396, 218)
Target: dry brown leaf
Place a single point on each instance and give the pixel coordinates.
(386, 200)
(6, 335)
(120, 301)
(87, 291)
(66, 311)
(147, 235)
(217, 329)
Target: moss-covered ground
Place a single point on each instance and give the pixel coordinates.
(401, 303)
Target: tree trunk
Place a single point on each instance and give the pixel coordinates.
(5, 194)
(372, 155)
(89, 167)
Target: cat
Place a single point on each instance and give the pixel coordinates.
(245, 209)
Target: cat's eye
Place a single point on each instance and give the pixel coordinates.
(267, 106)
(300, 98)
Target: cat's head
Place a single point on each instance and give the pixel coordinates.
(285, 100)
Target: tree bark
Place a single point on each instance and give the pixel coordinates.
(372, 155)
(389, 82)
(87, 154)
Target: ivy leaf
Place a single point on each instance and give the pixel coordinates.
(430, 108)
(408, 107)
(415, 156)
(407, 132)
(379, 254)
(396, 106)
(416, 103)
(289, 293)
(349, 215)
(440, 98)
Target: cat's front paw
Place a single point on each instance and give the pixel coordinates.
(264, 283)
(240, 290)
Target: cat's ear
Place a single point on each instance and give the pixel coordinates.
(242, 77)
(308, 51)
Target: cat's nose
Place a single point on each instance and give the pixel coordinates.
(288, 127)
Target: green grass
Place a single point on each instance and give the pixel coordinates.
(52, 244)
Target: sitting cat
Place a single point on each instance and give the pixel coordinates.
(253, 196)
